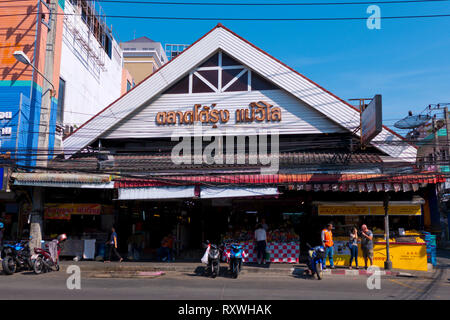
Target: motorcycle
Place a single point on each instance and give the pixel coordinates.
(235, 257)
(16, 257)
(213, 259)
(316, 261)
(48, 260)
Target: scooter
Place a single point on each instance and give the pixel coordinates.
(48, 260)
(16, 257)
(236, 256)
(316, 261)
(213, 264)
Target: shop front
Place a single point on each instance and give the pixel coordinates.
(86, 225)
(407, 247)
(225, 136)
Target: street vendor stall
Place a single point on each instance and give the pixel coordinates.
(283, 246)
(407, 248)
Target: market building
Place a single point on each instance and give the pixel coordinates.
(222, 137)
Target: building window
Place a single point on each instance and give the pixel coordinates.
(233, 76)
(129, 86)
(60, 106)
(108, 45)
(182, 86)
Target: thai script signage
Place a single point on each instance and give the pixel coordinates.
(64, 211)
(6, 131)
(399, 210)
(257, 111)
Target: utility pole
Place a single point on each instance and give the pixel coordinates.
(447, 129)
(36, 221)
(388, 262)
(435, 144)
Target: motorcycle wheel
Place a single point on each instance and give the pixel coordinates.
(9, 265)
(57, 267)
(38, 267)
(319, 271)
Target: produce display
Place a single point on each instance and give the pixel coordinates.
(278, 235)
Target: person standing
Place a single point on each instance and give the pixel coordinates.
(260, 237)
(264, 224)
(113, 246)
(327, 242)
(1, 234)
(367, 245)
(353, 246)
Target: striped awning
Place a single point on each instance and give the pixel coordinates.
(307, 182)
(63, 180)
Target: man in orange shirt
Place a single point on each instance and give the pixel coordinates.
(327, 242)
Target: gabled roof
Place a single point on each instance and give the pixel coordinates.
(140, 40)
(221, 38)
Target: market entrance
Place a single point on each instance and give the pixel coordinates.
(143, 225)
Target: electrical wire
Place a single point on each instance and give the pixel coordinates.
(407, 17)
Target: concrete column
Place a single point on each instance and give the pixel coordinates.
(36, 221)
(46, 103)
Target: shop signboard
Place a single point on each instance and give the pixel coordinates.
(397, 210)
(403, 256)
(371, 120)
(64, 211)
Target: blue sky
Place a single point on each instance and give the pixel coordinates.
(407, 61)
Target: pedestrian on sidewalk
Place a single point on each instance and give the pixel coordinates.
(353, 246)
(1, 234)
(164, 252)
(113, 246)
(328, 244)
(261, 237)
(367, 245)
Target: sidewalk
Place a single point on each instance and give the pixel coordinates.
(198, 268)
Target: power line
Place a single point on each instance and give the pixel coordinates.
(268, 3)
(271, 4)
(430, 16)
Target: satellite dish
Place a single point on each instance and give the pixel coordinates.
(411, 122)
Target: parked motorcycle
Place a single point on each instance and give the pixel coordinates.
(236, 256)
(16, 257)
(213, 264)
(48, 260)
(316, 261)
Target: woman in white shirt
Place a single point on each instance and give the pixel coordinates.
(260, 237)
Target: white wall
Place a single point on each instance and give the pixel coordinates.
(297, 118)
(89, 86)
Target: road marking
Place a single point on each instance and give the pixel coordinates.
(405, 285)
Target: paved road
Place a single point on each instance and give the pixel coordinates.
(248, 286)
(177, 285)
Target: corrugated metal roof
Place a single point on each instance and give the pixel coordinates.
(61, 177)
(163, 162)
(257, 60)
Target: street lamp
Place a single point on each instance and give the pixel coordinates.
(22, 57)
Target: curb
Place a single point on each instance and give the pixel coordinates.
(122, 269)
(127, 275)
